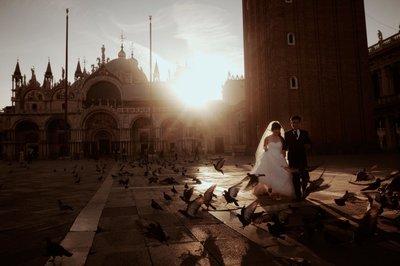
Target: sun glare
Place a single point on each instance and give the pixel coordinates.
(202, 80)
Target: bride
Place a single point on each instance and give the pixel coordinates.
(271, 162)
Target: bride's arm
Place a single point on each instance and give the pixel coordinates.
(266, 144)
(284, 147)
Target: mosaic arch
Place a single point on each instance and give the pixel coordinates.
(100, 134)
(140, 135)
(26, 136)
(103, 93)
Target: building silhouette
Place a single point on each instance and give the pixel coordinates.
(385, 74)
(112, 109)
(309, 58)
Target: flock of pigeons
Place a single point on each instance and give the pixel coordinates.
(380, 195)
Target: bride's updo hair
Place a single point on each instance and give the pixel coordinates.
(275, 125)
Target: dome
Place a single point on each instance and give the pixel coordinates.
(126, 70)
(121, 53)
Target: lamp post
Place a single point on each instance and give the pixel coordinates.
(66, 84)
(150, 139)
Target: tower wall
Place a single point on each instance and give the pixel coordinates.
(328, 56)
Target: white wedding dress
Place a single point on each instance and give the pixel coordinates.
(272, 164)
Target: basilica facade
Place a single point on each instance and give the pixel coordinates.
(111, 109)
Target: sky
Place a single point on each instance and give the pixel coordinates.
(204, 35)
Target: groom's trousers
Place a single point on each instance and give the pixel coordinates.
(300, 181)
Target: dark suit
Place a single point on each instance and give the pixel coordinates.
(297, 158)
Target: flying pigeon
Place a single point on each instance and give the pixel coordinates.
(247, 214)
(218, 166)
(231, 194)
(193, 207)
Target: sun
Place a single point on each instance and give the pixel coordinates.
(201, 81)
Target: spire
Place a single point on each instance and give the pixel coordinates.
(48, 77)
(121, 53)
(17, 77)
(78, 71)
(48, 72)
(84, 66)
(17, 71)
(156, 74)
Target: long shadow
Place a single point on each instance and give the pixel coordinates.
(332, 239)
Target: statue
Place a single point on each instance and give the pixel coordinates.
(380, 36)
(103, 55)
(62, 73)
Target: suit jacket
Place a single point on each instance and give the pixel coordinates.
(296, 148)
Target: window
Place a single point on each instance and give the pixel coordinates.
(293, 83)
(34, 107)
(291, 40)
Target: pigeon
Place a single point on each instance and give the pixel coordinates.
(208, 197)
(246, 214)
(218, 166)
(231, 194)
(253, 180)
(363, 175)
(187, 194)
(347, 196)
(374, 185)
(196, 180)
(64, 207)
(54, 249)
(193, 207)
(167, 197)
(173, 190)
(155, 205)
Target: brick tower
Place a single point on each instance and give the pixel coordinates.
(309, 57)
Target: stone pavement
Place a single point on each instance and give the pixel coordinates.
(106, 231)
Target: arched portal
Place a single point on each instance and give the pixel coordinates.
(140, 135)
(103, 141)
(172, 136)
(57, 137)
(101, 131)
(27, 137)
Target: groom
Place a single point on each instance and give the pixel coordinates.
(297, 142)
